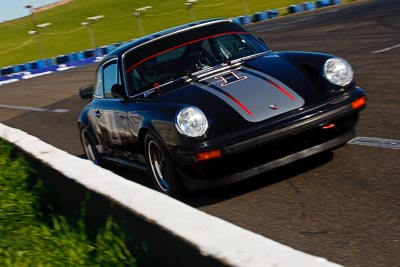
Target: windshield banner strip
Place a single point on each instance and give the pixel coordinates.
(179, 46)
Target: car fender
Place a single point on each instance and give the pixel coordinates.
(157, 117)
(83, 123)
(311, 65)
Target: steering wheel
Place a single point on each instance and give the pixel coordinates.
(202, 62)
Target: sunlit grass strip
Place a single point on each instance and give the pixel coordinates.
(66, 35)
(28, 241)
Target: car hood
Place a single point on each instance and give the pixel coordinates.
(259, 89)
(256, 96)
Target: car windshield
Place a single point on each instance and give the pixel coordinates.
(167, 59)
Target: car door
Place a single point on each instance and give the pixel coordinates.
(113, 126)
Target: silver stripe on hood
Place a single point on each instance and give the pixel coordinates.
(254, 95)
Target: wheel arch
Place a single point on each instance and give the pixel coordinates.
(142, 135)
(90, 130)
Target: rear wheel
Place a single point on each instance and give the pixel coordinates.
(162, 168)
(89, 148)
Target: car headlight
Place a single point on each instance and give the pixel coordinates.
(338, 71)
(191, 121)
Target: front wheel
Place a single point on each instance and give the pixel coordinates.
(162, 168)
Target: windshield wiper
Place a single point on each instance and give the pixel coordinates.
(243, 59)
(201, 74)
(157, 87)
(226, 66)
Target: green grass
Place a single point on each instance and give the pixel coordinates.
(28, 241)
(65, 34)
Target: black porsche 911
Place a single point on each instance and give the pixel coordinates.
(207, 104)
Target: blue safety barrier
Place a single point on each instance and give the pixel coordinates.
(336, 2)
(260, 16)
(21, 67)
(111, 48)
(104, 50)
(62, 59)
(76, 56)
(34, 65)
(245, 20)
(307, 6)
(6, 71)
(80, 55)
(99, 52)
(237, 20)
(18, 68)
(295, 8)
(88, 53)
(3, 77)
(322, 3)
(116, 45)
(72, 56)
(27, 66)
(273, 13)
(48, 62)
(40, 64)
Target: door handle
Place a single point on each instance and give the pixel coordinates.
(97, 114)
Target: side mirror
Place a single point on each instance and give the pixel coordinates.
(118, 91)
(86, 92)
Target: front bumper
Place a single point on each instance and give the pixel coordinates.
(198, 184)
(252, 156)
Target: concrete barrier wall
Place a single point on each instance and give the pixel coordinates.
(175, 233)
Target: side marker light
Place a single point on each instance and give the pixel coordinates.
(328, 126)
(213, 154)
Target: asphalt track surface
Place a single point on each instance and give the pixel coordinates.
(344, 205)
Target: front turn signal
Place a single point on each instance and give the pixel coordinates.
(212, 154)
(359, 103)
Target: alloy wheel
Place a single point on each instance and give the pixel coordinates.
(158, 165)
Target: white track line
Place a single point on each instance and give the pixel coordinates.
(30, 76)
(23, 108)
(386, 49)
(376, 142)
(8, 81)
(33, 108)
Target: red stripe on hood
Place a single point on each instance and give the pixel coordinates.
(281, 89)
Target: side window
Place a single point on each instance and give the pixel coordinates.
(110, 77)
(98, 92)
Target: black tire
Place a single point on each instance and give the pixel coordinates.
(89, 148)
(161, 167)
